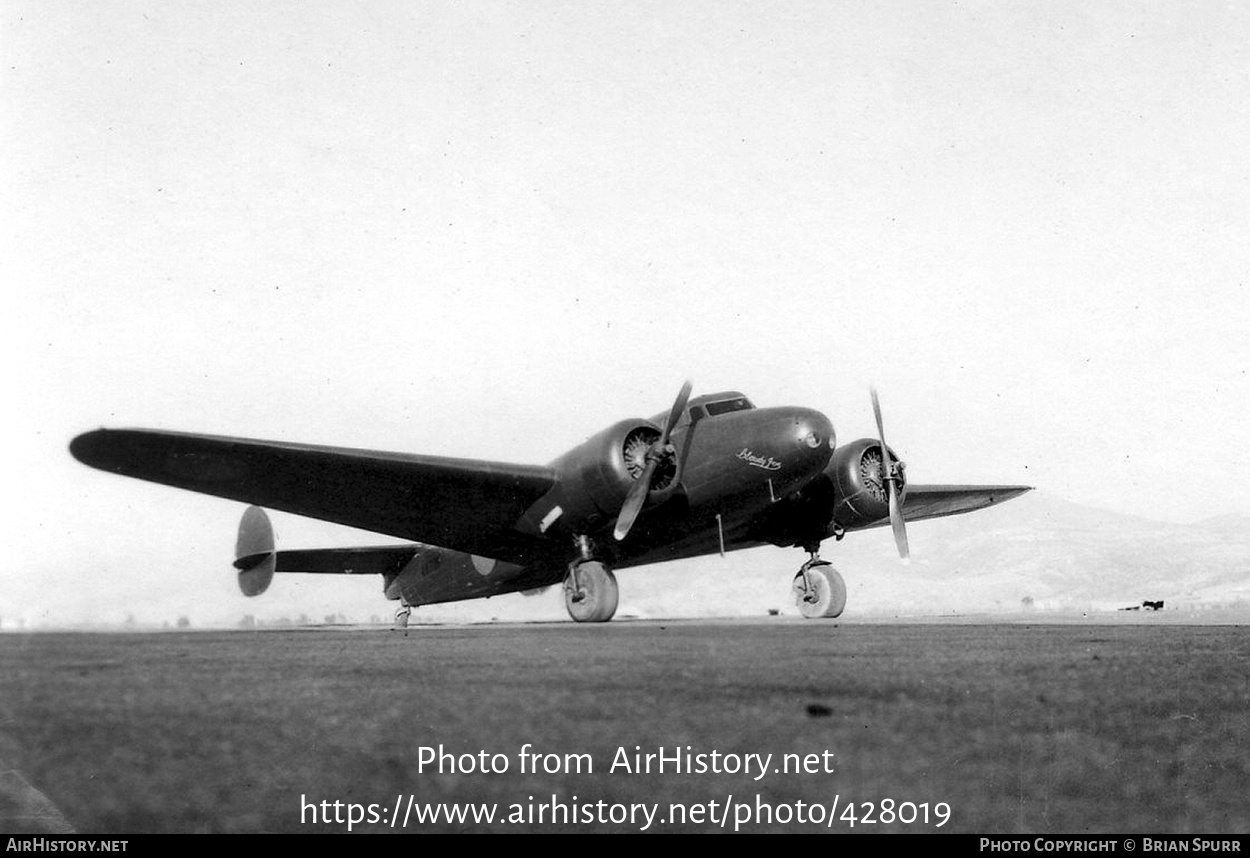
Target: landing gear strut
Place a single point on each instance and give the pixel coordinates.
(590, 592)
(819, 590)
(401, 616)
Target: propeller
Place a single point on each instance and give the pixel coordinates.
(638, 492)
(891, 476)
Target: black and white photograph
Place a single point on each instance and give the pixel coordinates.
(528, 416)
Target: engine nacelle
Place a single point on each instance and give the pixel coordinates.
(848, 495)
(596, 475)
(859, 490)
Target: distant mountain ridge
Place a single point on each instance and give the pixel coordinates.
(1036, 552)
(1033, 553)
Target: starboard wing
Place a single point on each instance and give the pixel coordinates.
(463, 504)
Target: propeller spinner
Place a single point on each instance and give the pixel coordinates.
(891, 475)
(642, 486)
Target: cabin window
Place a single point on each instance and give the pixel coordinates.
(738, 403)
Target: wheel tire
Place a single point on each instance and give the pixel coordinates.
(598, 590)
(827, 597)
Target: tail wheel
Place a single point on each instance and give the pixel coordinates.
(590, 593)
(820, 592)
(402, 615)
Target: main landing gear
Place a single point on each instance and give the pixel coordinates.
(401, 616)
(819, 590)
(590, 592)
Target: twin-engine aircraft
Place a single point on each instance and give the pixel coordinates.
(713, 474)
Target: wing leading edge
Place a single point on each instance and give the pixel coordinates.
(921, 502)
(462, 504)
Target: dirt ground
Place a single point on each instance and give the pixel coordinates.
(994, 728)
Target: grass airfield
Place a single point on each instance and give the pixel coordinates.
(1136, 723)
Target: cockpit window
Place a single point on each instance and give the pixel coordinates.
(738, 403)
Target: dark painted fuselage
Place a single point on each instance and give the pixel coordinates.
(733, 466)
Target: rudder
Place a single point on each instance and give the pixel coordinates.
(254, 553)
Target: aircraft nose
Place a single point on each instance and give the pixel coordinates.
(813, 433)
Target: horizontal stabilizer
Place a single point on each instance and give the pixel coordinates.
(374, 560)
(257, 561)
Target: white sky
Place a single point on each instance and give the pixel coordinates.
(489, 229)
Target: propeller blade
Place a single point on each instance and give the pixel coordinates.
(634, 500)
(889, 475)
(876, 410)
(642, 486)
(675, 414)
(896, 522)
